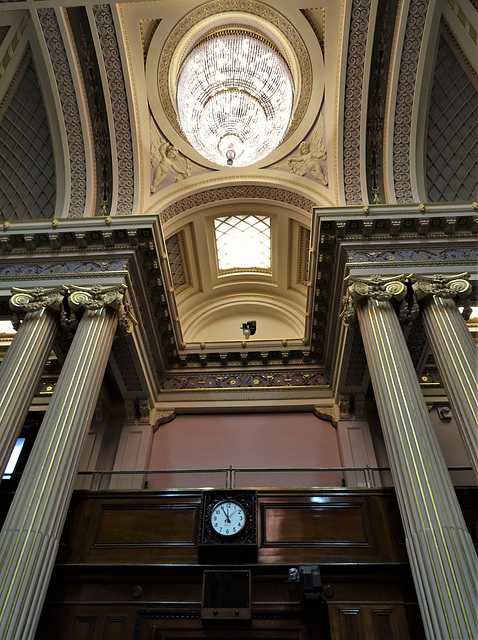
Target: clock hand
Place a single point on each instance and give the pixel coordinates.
(227, 515)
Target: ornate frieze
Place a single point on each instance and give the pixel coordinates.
(233, 192)
(245, 380)
(71, 114)
(119, 107)
(20, 270)
(402, 151)
(414, 255)
(354, 87)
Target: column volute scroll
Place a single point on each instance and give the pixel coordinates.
(99, 297)
(455, 287)
(381, 289)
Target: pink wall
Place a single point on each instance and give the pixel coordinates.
(263, 440)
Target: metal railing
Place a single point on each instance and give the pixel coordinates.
(233, 478)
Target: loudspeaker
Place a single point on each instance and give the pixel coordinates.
(226, 595)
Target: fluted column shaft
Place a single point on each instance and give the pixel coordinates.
(20, 374)
(442, 556)
(30, 536)
(456, 356)
(25, 361)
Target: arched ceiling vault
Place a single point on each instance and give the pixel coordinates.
(365, 71)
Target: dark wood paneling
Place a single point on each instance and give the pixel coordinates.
(318, 525)
(150, 525)
(131, 601)
(330, 525)
(367, 622)
(120, 527)
(327, 526)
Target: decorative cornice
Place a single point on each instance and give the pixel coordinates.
(71, 115)
(119, 107)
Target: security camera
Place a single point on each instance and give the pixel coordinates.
(248, 329)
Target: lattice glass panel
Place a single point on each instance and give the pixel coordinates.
(176, 261)
(243, 242)
(3, 32)
(452, 136)
(27, 176)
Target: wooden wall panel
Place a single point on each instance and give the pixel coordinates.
(125, 602)
(343, 526)
(131, 527)
(295, 526)
(151, 525)
(367, 622)
(329, 525)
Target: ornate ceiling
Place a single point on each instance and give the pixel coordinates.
(88, 129)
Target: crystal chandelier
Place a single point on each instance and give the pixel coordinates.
(234, 97)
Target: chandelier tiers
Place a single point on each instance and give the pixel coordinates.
(234, 96)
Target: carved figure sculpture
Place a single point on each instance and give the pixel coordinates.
(311, 157)
(168, 159)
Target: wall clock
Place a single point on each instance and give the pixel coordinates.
(228, 527)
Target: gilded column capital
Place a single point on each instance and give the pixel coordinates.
(25, 301)
(446, 287)
(98, 297)
(372, 287)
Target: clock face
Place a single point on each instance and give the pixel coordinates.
(228, 518)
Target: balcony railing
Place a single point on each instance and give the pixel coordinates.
(241, 478)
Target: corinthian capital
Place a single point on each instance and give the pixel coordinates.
(373, 287)
(98, 297)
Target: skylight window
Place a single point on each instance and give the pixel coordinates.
(243, 242)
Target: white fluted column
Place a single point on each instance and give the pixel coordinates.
(30, 536)
(454, 351)
(25, 360)
(441, 553)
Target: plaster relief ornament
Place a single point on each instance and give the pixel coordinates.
(312, 157)
(165, 158)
